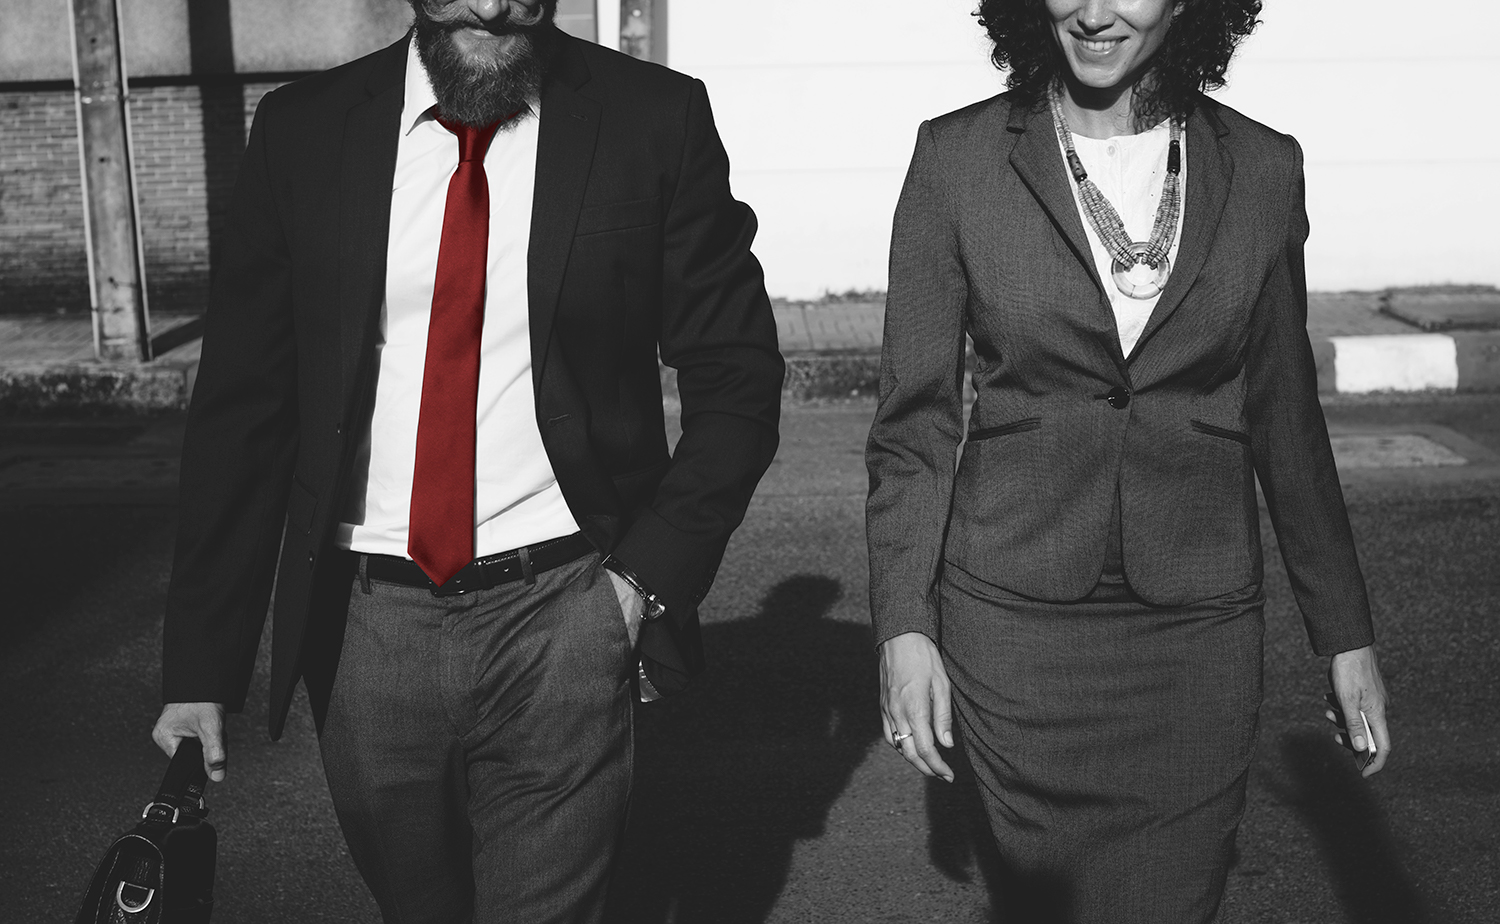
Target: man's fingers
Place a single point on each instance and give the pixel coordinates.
(1359, 736)
(204, 721)
(1380, 732)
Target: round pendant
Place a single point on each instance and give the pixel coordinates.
(1140, 279)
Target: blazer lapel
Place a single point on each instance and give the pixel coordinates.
(1210, 170)
(367, 169)
(565, 153)
(1039, 163)
(1037, 160)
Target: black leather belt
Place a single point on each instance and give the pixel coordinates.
(483, 573)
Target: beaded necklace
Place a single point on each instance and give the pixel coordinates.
(1140, 269)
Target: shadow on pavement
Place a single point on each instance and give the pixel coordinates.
(54, 556)
(959, 845)
(1343, 814)
(730, 778)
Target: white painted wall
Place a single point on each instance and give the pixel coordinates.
(818, 103)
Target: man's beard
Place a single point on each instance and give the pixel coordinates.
(480, 91)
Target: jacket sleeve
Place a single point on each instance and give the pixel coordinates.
(1293, 459)
(918, 425)
(718, 332)
(238, 452)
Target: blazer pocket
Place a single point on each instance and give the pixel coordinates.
(1015, 426)
(300, 507)
(1220, 432)
(619, 216)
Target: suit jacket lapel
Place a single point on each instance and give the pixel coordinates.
(565, 153)
(367, 169)
(1210, 170)
(1038, 161)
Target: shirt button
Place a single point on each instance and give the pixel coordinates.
(1111, 150)
(1118, 398)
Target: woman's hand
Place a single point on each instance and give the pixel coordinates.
(1357, 687)
(916, 704)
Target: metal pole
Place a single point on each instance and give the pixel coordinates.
(118, 297)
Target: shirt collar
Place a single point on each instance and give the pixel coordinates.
(419, 98)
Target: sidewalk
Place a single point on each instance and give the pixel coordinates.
(1364, 342)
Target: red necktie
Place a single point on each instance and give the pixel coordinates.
(441, 538)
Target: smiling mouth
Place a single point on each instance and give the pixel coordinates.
(1098, 46)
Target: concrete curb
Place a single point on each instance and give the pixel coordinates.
(1460, 361)
(1463, 361)
(91, 387)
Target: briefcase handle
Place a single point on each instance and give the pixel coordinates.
(182, 787)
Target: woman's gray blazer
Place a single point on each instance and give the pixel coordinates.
(1220, 388)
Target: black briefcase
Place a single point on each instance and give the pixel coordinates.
(161, 871)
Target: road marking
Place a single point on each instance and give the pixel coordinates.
(1395, 362)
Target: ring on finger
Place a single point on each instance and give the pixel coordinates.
(898, 738)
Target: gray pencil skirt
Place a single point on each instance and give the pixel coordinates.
(1111, 742)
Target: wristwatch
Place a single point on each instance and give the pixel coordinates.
(654, 608)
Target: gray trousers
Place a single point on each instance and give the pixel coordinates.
(478, 747)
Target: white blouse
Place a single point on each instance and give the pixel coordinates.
(1130, 171)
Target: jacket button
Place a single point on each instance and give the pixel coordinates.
(309, 559)
(1118, 398)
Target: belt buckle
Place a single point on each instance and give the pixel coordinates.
(457, 586)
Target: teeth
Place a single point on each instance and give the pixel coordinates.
(1099, 46)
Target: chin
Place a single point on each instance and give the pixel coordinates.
(1097, 78)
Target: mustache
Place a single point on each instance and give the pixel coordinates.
(508, 23)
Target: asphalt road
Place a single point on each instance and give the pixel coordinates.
(766, 795)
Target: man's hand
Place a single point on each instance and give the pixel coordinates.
(631, 605)
(204, 721)
(916, 702)
(1357, 687)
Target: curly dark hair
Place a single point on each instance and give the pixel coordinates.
(1194, 57)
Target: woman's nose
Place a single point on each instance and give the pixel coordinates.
(1096, 15)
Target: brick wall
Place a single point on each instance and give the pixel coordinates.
(42, 262)
(187, 142)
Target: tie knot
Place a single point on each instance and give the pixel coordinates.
(472, 142)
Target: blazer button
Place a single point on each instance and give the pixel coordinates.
(309, 560)
(1118, 398)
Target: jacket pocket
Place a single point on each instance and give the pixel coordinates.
(619, 216)
(300, 507)
(1015, 426)
(1220, 432)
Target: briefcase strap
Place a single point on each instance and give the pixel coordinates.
(182, 788)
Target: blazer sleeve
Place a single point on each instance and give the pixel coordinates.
(914, 439)
(238, 451)
(718, 332)
(1293, 458)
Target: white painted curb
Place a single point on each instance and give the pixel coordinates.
(1395, 362)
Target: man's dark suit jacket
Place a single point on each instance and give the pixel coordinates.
(1221, 387)
(636, 245)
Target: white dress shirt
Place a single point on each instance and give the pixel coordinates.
(516, 497)
(1129, 170)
